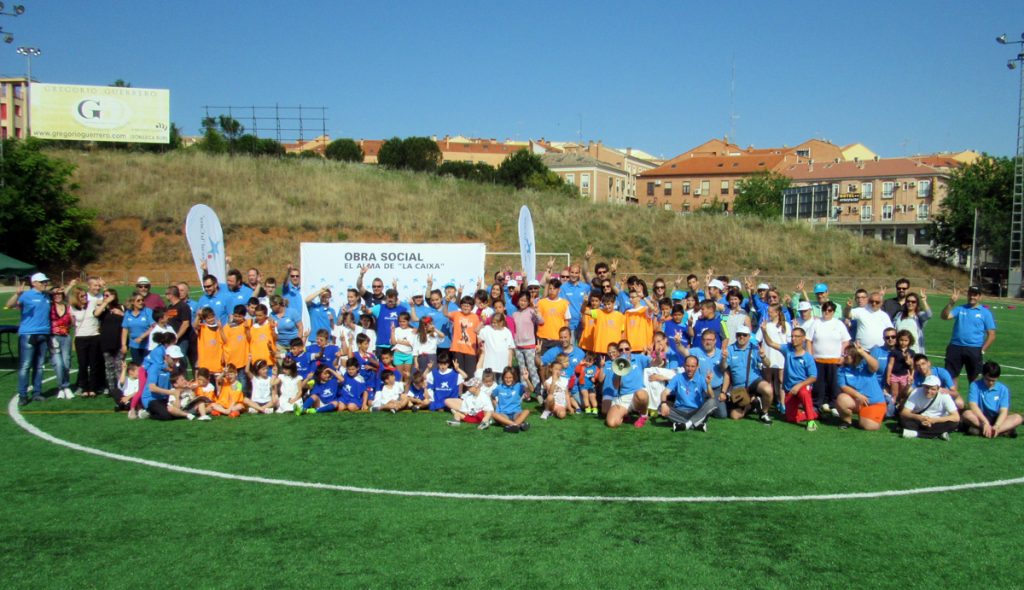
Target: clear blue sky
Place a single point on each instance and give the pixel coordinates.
(900, 77)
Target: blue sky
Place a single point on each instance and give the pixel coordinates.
(901, 77)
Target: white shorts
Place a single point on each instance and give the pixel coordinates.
(560, 399)
(623, 401)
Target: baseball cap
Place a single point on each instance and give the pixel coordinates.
(678, 295)
(142, 281)
(427, 320)
(804, 306)
(821, 288)
(763, 287)
(511, 284)
(417, 295)
(474, 382)
(743, 330)
(39, 278)
(534, 283)
(174, 351)
(974, 290)
(717, 284)
(931, 381)
(449, 284)
(735, 283)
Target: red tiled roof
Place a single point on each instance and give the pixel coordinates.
(938, 161)
(483, 147)
(883, 167)
(371, 146)
(718, 165)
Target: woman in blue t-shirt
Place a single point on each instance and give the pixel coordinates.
(508, 402)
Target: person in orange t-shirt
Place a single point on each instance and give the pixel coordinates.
(465, 325)
(236, 339)
(556, 316)
(609, 325)
(588, 323)
(262, 337)
(639, 324)
(209, 342)
(229, 396)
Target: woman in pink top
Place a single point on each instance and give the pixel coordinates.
(525, 320)
(60, 341)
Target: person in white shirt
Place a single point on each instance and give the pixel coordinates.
(402, 344)
(871, 321)
(498, 346)
(828, 337)
(556, 388)
(391, 397)
(473, 407)
(929, 413)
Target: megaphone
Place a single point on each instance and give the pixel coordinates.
(621, 367)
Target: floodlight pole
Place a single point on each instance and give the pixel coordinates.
(29, 53)
(1017, 212)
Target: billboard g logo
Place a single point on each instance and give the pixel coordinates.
(101, 113)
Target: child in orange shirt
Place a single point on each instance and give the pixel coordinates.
(262, 337)
(235, 336)
(609, 325)
(229, 394)
(209, 342)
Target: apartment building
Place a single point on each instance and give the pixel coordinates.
(597, 181)
(13, 108)
(626, 160)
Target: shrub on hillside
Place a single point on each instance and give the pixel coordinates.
(419, 154)
(479, 172)
(344, 150)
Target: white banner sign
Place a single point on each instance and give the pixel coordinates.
(206, 239)
(336, 265)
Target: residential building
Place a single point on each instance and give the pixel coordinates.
(858, 151)
(317, 145)
(13, 108)
(685, 184)
(892, 199)
(596, 181)
(624, 160)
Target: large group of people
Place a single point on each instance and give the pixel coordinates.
(577, 342)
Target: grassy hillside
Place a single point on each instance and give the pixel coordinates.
(268, 207)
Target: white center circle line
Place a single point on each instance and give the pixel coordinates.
(15, 414)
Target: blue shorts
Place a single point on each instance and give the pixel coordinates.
(348, 400)
(402, 359)
(510, 415)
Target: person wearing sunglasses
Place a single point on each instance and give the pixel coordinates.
(893, 305)
(912, 316)
(872, 322)
(151, 300)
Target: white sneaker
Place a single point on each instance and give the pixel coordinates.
(268, 410)
(907, 433)
(253, 411)
(190, 416)
(68, 394)
(545, 414)
(60, 394)
(204, 418)
(143, 414)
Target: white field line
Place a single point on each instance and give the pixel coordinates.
(12, 409)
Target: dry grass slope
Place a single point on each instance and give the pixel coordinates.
(268, 206)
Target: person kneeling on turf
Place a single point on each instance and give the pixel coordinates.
(989, 405)
(157, 392)
(861, 392)
(693, 398)
(626, 393)
(323, 396)
(473, 407)
(229, 394)
(929, 412)
(353, 387)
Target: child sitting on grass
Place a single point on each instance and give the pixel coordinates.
(354, 389)
(416, 391)
(303, 359)
(391, 397)
(473, 407)
(323, 396)
(557, 400)
(229, 395)
(443, 382)
(289, 387)
(202, 394)
(508, 401)
(263, 399)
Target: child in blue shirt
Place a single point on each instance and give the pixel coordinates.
(323, 396)
(354, 389)
(303, 359)
(416, 390)
(508, 402)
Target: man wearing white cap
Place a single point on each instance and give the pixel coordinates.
(156, 396)
(33, 335)
(804, 318)
(746, 387)
(715, 289)
(150, 299)
(929, 413)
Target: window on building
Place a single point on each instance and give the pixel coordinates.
(886, 234)
(17, 110)
(921, 236)
(887, 189)
(851, 188)
(803, 153)
(650, 189)
(835, 191)
(887, 212)
(901, 236)
(3, 111)
(867, 190)
(725, 187)
(686, 188)
(922, 211)
(585, 182)
(570, 179)
(924, 189)
(668, 189)
(865, 213)
(705, 187)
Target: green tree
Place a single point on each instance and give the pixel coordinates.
(985, 185)
(419, 154)
(40, 217)
(478, 172)
(760, 194)
(344, 150)
(517, 169)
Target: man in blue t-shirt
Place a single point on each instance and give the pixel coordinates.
(214, 299)
(33, 335)
(748, 391)
(688, 399)
(291, 288)
(321, 315)
(989, 413)
(566, 347)
(622, 394)
(710, 358)
(386, 315)
(575, 291)
(923, 368)
(235, 291)
(974, 330)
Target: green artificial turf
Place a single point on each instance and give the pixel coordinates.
(69, 519)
